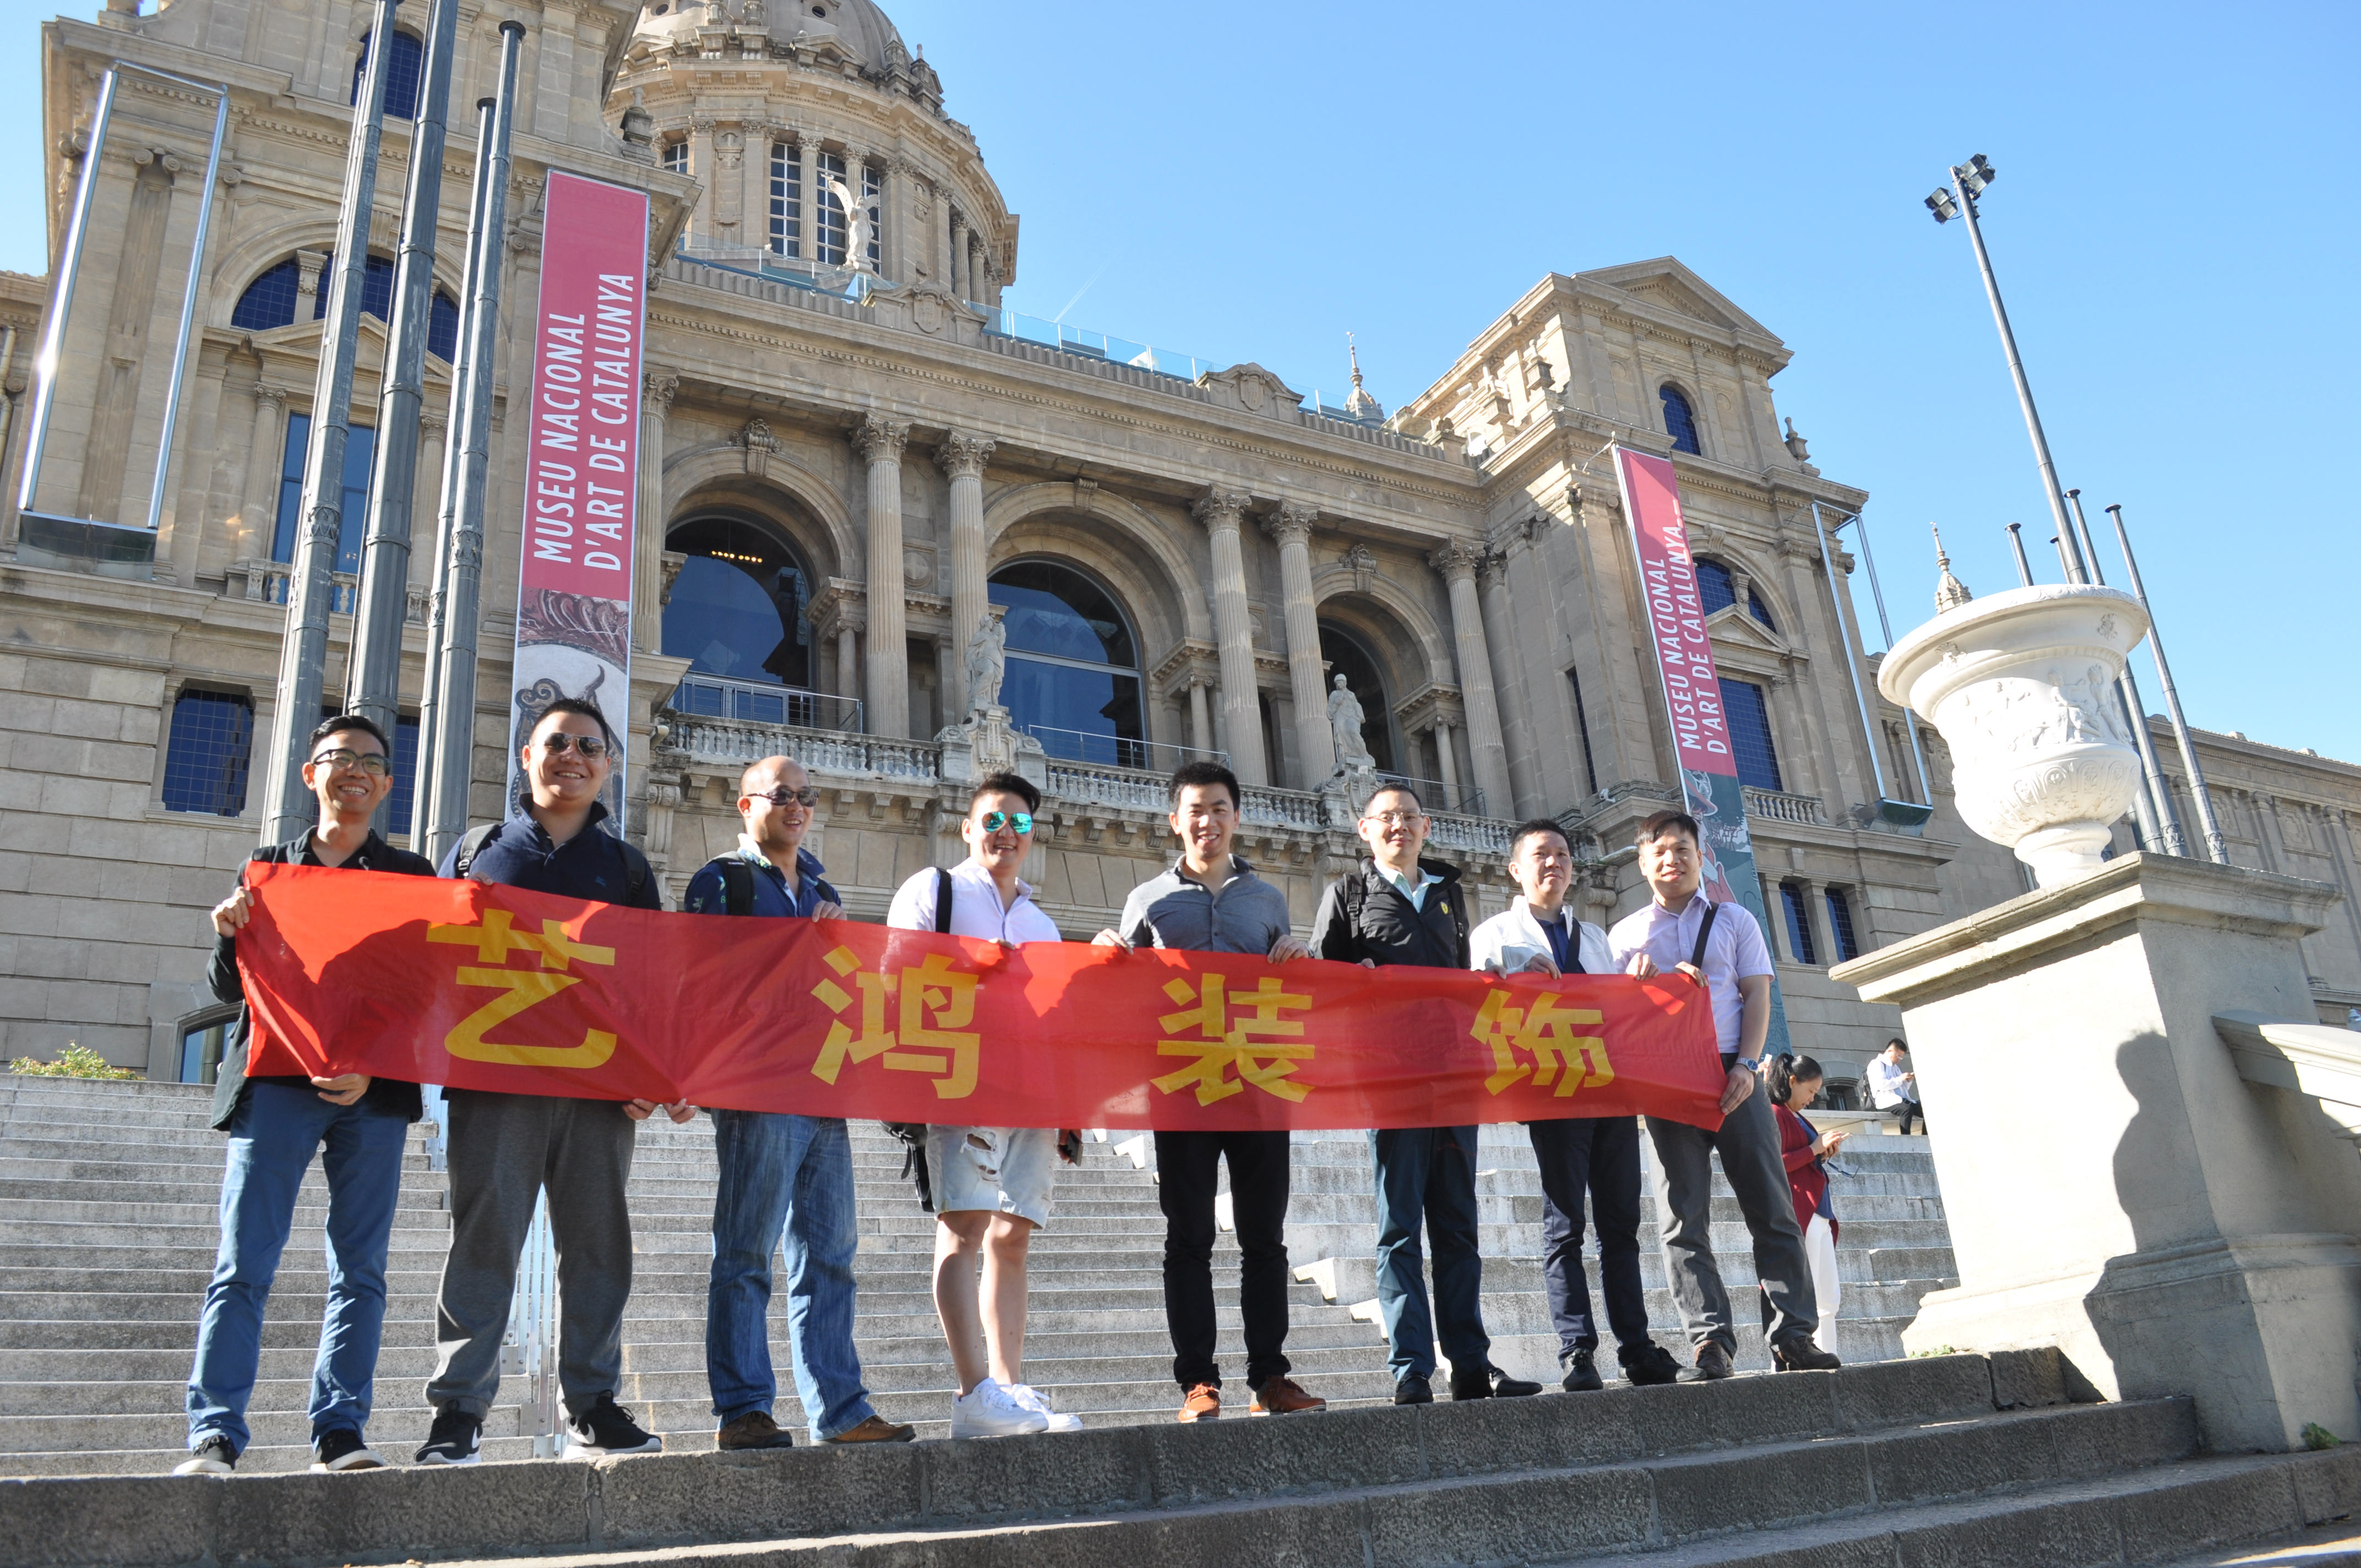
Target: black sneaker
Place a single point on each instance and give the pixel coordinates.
(1800, 1354)
(455, 1438)
(342, 1449)
(607, 1428)
(214, 1456)
(1651, 1367)
(1712, 1365)
(1582, 1374)
(1413, 1390)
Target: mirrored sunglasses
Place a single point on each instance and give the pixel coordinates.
(558, 741)
(806, 797)
(373, 763)
(994, 821)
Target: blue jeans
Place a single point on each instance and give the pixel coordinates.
(1429, 1172)
(272, 1140)
(790, 1174)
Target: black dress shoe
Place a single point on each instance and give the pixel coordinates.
(1507, 1388)
(1651, 1366)
(1800, 1354)
(1582, 1374)
(1712, 1365)
(1413, 1390)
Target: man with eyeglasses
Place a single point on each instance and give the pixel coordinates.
(1211, 901)
(991, 1184)
(505, 1149)
(781, 1175)
(275, 1125)
(1397, 908)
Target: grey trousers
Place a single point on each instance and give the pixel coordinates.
(504, 1149)
(1748, 1145)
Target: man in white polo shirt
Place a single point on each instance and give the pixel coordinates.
(991, 1184)
(1721, 948)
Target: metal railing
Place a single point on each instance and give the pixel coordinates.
(759, 702)
(529, 1348)
(1775, 805)
(1092, 344)
(820, 750)
(1117, 751)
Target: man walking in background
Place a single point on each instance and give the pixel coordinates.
(781, 1175)
(1397, 908)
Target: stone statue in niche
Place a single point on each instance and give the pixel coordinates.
(987, 663)
(1344, 720)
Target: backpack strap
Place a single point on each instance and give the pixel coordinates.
(1705, 930)
(473, 845)
(737, 885)
(637, 872)
(942, 900)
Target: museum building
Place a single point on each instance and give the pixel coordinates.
(852, 454)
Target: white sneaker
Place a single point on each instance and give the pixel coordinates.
(1031, 1398)
(991, 1411)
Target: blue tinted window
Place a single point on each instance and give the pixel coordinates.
(1071, 680)
(403, 68)
(405, 768)
(360, 452)
(201, 1051)
(443, 328)
(1718, 590)
(1748, 717)
(1840, 923)
(270, 301)
(1799, 926)
(1679, 424)
(207, 755)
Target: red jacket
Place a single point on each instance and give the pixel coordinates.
(1806, 1182)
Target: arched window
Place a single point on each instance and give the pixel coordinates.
(273, 298)
(1679, 423)
(1347, 657)
(738, 611)
(1719, 588)
(1072, 672)
(403, 68)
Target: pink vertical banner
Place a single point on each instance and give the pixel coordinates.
(574, 584)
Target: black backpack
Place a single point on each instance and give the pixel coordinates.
(1355, 893)
(636, 869)
(911, 1136)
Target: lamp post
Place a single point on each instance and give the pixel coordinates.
(1958, 200)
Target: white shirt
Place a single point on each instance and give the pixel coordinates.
(1514, 935)
(976, 909)
(1886, 1088)
(1733, 952)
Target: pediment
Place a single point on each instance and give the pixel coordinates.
(1669, 284)
(1253, 389)
(1732, 626)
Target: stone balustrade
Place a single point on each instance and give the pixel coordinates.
(265, 582)
(819, 751)
(1472, 834)
(1774, 806)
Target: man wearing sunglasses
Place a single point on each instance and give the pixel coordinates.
(275, 1125)
(505, 1149)
(781, 1174)
(991, 1184)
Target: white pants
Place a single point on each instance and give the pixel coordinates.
(1820, 1252)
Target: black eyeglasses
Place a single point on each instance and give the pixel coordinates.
(806, 797)
(994, 821)
(557, 741)
(373, 763)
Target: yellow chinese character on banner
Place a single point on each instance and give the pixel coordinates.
(555, 952)
(1226, 1041)
(932, 1003)
(1546, 1031)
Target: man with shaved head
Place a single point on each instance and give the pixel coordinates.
(781, 1173)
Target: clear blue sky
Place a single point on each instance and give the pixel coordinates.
(2174, 227)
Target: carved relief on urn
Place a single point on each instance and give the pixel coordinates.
(2022, 685)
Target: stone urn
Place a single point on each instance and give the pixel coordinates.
(2022, 685)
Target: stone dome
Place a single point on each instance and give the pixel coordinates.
(858, 25)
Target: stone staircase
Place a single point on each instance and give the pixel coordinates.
(107, 1232)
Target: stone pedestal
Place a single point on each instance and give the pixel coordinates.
(988, 743)
(2115, 1187)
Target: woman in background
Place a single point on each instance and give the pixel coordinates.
(1795, 1081)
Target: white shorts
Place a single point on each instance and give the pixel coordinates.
(1004, 1170)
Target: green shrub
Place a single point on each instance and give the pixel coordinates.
(74, 1061)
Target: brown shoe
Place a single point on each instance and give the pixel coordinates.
(753, 1430)
(1203, 1403)
(1284, 1396)
(876, 1428)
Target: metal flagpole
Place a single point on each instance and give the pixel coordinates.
(455, 704)
(1912, 814)
(2016, 542)
(53, 331)
(1869, 558)
(2168, 822)
(188, 302)
(373, 685)
(454, 426)
(2217, 850)
(286, 808)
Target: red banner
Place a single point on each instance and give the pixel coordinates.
(480, 987)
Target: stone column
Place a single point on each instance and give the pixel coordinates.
(1290, 525)
(848, 625)
(702, 170)
(961, 456)
(1457, 562)
(808, 198)
(1517, 730)
(185, 533)
(880, 441)
(264, 459)
(961, 283)
(426, 505)
(1221, 510)
(1446, 763)
(900, 247)
(1201, 718)
(657, 388)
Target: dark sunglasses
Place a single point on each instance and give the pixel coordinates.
(806, 798)
(994, 821)
(557, 741)
(373, 763)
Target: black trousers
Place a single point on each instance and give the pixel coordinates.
(1600, 1155)
(1909, 1111)
(1188, 1172)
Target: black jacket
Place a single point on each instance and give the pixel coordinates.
(387, 1094)
(1364, 915)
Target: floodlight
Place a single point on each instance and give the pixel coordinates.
(1942, 206)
